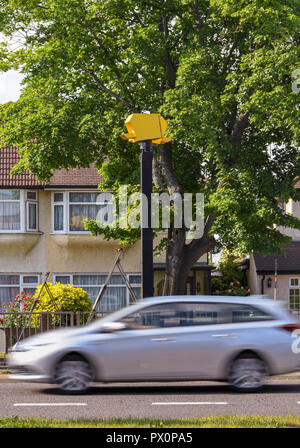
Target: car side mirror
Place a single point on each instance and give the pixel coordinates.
(110, 327)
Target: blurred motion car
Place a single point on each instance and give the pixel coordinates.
(238, 340)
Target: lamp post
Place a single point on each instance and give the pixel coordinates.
(146, 158)
(146, 129)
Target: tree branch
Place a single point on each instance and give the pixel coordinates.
(170, 69)
(156, 173)
(167, 168)
(239, 129)
(108, 91)
(202, 245)
(111, 62)
(195, 7)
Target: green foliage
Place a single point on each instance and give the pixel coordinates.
(220, 288)
(220, 71)
(231, 281)
(17, 312)
(66, 297)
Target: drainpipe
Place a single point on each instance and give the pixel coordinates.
(262, 284)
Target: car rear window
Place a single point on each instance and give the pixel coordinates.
(246, 313)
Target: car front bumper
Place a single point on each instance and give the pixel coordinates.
(23, 373)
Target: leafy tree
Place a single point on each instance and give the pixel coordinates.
(220, 71)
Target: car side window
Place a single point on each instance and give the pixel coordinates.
(180, 314)
(155, 316)
(246, 313)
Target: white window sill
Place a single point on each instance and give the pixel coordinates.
(21, 232)
(70, 233)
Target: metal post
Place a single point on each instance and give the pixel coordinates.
(103, 289)
(275, 280)
(33, 307)
(146, 158)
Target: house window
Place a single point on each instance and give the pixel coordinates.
(31, 211)
(10, 210)
(70, 209)
(116, 295)
(294, 294)
(18, 211)
(12, 284)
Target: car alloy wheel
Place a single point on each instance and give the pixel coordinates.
(247, 373)
(73, 375)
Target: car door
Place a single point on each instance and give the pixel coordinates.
(203, 338)
(144, 350)
(174, 340)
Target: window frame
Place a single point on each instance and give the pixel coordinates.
(223, 314)
(122, 285)
(59, 203)
(293, 310)
(66, 210)
(29, 202)
(24, 211)
(186, 327)
(21, 284)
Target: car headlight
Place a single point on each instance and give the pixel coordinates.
(21, 347)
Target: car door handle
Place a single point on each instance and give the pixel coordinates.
(224, 335)
(163, 340)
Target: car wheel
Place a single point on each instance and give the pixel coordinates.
(247, 373)
(73, 375)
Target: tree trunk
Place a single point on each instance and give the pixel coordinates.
(180, 258)
(177, 270)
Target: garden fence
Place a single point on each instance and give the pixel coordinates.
(12, 324)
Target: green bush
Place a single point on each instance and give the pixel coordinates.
(231, 282)
(66, 297)
(233, 289)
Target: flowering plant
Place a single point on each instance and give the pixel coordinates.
(234, 289)
(15, 311)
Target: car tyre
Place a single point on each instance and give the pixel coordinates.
(73, 375)
(247, 373)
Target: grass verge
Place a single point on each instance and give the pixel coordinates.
(218, 421)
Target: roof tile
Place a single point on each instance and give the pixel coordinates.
(75, 177)
(287, 262)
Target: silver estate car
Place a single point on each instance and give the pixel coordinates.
(238, 340)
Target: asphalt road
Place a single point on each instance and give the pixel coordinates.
(155, 400)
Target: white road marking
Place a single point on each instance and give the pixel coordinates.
(50, 404)
(174, 403)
